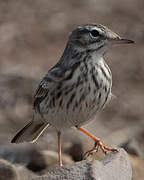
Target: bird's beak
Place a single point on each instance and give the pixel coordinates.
(120, 40)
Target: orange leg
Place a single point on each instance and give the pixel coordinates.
(98, 144)
(59, 149)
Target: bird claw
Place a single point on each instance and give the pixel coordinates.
(98, 144)
(90, 152)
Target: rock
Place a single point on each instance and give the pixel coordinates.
(7, 171)
(140, 143)
(76, 151)
(51, 158)
(131, 146)
(23, 154)
(24, 173)
(37, 161)
(137, 167)
(135, 145)
(113, 166)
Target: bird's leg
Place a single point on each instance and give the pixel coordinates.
(59, 149)
(98, 144)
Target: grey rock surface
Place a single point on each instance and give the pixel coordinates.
(24, 173)
(10, 171)
(115, 166)
(7, 171)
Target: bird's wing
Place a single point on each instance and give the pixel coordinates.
(48, 83)
(39, 96)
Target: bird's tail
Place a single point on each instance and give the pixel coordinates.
(31, 132)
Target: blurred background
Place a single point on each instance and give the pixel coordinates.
(33, 35)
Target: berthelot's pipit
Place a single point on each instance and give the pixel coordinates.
(76, 88)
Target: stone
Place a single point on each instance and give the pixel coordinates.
(23, 154)
(114, 166)
(137, 167)
(24, 173)
(7, 171)
(51, 158)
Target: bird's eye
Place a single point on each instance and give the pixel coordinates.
(94, 33)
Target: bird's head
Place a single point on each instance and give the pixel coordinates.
(95, 37)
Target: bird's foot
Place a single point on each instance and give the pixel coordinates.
(98, 144)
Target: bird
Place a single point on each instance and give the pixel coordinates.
(75, 88)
